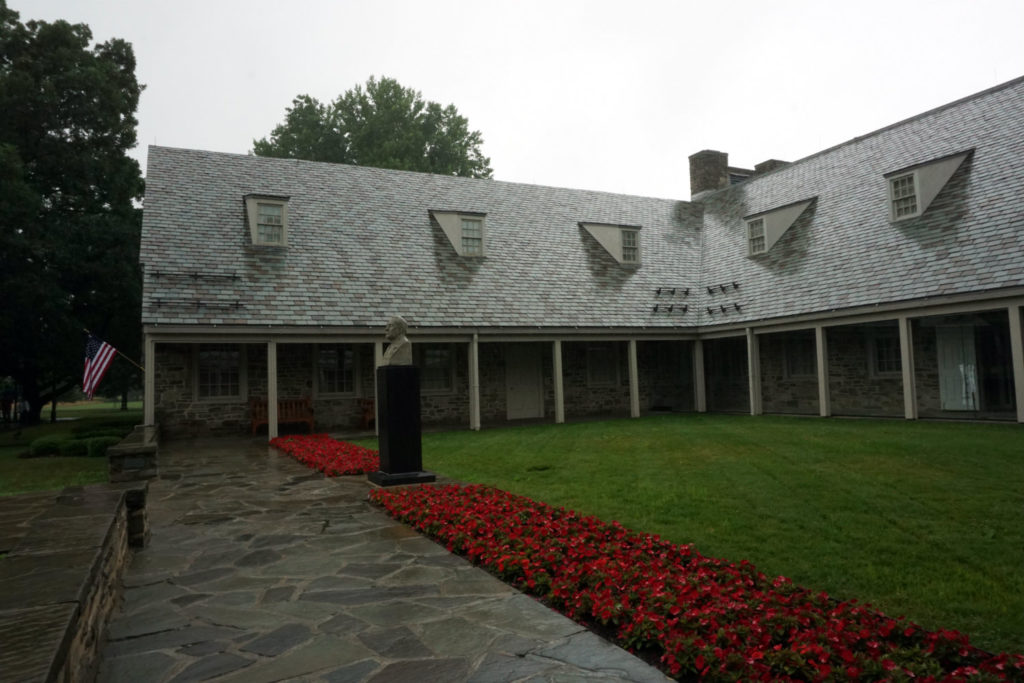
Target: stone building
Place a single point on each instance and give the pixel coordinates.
(881, 277)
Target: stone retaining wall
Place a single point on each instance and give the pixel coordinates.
(64, 556)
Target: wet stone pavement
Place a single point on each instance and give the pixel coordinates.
(260, 570)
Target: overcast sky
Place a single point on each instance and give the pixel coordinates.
(596, 95)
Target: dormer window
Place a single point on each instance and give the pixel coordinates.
(630, 246)
(467, 231)
(766, 228)
(903, 195)
(472, 237)
(268, 220)
(755, 235)
(621, 241)
(911, 190)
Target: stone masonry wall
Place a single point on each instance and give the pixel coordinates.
(853, 389)
(782, 392)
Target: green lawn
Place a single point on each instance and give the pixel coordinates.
(917, 518)
(22, 475)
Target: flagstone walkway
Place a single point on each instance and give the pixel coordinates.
(260, 570)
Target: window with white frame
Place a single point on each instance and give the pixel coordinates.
(268, 220)
(336, 369)
(437, 368)
(755, 236)
(800, 357)
(467, 231)
(630, 246)
(602, 365)
(622, 242)
(903, 196)
(472, 237)
(912, 189)
(884, 354)
(218, 371)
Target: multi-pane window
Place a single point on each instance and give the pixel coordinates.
(219, 371)
(630, 246)
(904, 196)
(436, 368)
(269, 223)
(472, 237)
(755, 235)
(336, 369)
(800, 357)
(602, 368)
(885, 355)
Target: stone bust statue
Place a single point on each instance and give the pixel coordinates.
(399, 351)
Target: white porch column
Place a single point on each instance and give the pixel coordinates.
(754, 372)
(821, 347)
(634, 381)
(1017, 352)
(149, 381)
(556, 365)
(271, 389)
(378, 360)
(474, 383)
(700, 394)
(907, 364)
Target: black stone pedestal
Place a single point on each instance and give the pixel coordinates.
(398, 412)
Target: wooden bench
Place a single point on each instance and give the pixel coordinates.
(289, 410)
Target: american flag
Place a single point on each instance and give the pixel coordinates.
(98, 355)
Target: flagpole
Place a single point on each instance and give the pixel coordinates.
(120, 354)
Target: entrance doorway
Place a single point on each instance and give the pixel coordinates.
(524, 385)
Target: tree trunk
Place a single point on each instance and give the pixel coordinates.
(124, 400)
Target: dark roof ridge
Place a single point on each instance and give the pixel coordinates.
(423, 173)
(879, 131)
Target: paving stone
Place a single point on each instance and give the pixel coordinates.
(200, 577)
(202, 649)
(146, 621)
(150, 666)
(212, 666)
(498, 667)
(395, 643)
(339, 583)
(234, 599)
(165, 640)
(278, 594)
(587, 651)
(274, 540)
(279, 640)
(522, 615)
(342, 624)
(423, 671)
(323, 652)
(258, 558)
(399, 612)
(353, 673)
(457, 636)
(415, 576)
(144, 596)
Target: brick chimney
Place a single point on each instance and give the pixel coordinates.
(769, 165)
(709, 171)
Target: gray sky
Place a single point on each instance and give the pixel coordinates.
(600, 95)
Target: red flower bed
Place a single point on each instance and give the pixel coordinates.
(704, 618)
(327, 455)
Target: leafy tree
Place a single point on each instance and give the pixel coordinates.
(386, 126)
(69, 224)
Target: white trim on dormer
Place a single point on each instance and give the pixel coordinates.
(472, 244)
(256, 217)
(773, 225)
(621, 241)
(912, 189)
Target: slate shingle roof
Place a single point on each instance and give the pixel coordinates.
(362, 247)
(362, 244)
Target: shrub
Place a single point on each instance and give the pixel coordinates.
(46, 445)
(115, 426)
(73, 448)
(97, 446)
(92, 434)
